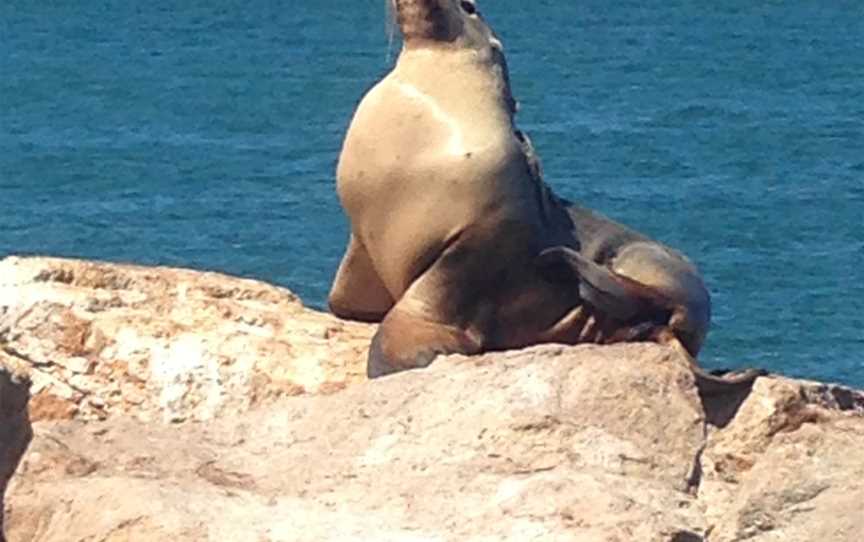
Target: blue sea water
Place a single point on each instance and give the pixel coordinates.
(205, 134)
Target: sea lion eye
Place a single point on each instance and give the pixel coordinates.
(469, 7)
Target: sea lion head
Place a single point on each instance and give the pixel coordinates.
(454, 26)
(444, 23)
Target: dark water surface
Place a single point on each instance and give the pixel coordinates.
(205, 134)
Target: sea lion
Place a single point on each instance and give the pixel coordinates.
(459, 246)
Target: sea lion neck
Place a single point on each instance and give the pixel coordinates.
(456, 75)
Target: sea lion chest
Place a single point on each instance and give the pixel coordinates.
(430, 153)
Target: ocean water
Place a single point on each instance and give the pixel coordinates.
(205, 134)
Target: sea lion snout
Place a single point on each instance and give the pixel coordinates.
(451, 23)
(430, 20)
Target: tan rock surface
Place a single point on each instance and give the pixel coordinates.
(552, 442)
(789, 466)
(99, 339)
(549, 443)
(15, 427)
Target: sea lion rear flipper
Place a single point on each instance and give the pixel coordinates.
(600, 287)
(710, 384)
(405, 341)
(623, 298)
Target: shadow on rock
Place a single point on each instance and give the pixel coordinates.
(15, 430)
(721, 408)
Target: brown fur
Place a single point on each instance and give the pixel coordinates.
(449, 213)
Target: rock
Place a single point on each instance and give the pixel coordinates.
(99, 339)
(15, 428)
(788, 466)
(549, 443)
(552, 442)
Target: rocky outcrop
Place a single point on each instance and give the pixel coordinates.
(548, 443)
(788, 465)
(15, 428)
(161, 343)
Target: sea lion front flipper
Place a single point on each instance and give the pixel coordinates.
(404, 341)
(358, 292)
(600, 287)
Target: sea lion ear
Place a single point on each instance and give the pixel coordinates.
(608, 292)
